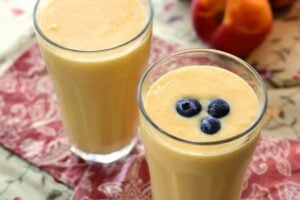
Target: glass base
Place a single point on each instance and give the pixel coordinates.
(104, 158)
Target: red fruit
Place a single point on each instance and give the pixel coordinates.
(235, 26)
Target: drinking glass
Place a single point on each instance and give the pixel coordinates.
(208, 170)
(96, 90)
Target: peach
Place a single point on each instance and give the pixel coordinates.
(235, 26)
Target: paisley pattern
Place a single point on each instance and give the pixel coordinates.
(276, 150)
(259, 193)
(272, 173)
(289, 190)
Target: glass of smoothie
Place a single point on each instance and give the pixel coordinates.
(95, 53)
(200, 117)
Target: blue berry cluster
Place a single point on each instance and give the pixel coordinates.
(217, 108)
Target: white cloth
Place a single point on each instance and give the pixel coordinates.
(16, 30)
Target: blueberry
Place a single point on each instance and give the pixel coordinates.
(210, 125)
(218, 108)
(188, 107)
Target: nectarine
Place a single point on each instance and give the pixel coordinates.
(235, 26)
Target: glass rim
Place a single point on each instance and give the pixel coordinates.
(141, 32)
(263, 106)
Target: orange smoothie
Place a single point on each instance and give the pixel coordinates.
(184, 171)
(95, 52)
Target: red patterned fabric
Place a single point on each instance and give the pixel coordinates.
(30, 126)
(273, 175)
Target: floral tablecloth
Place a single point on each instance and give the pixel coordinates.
(30, 126)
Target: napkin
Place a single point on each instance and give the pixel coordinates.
(16, 29)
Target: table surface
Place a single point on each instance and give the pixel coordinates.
(171, 23)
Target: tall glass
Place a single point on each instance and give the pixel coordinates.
(212, 170)
(96, 90)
